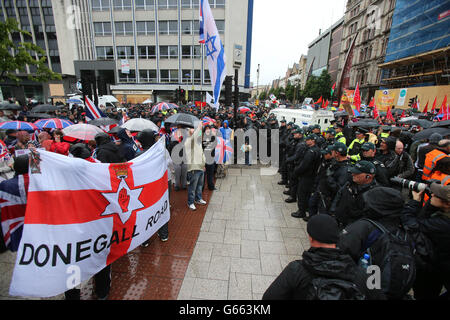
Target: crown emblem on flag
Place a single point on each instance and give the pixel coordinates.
(121, 170)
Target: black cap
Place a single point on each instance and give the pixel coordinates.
(368, 146)
(363, 167)
(323, 228)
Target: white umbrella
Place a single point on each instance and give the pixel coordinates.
(147, 101)
(140, 124)
(408, 119)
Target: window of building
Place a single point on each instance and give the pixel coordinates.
(168, 52)
(104, 53)
(190, 27)
(145, 4)
(147, 52)
(122, 4)
(100, 5)
(206, 77)
(127, 77)
(220, 26)
(148, 75)
(145, 27)
(187, 52)
(168, 27)
(102, 28)
(218, 3)
(124, 28)
(169, 76)
(189, 4)
(167, 4)
(125, 52)
(187, 76)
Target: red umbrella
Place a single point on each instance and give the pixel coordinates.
(82, 131)
(243, 110)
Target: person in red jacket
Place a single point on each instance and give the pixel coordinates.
(59, 146)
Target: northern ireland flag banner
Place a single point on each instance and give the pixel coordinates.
(82, 216)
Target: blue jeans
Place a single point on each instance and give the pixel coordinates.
(195, 186)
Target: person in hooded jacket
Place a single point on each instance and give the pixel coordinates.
(147, 138)
(434, 223)
(107, 150)
(384, 206)
(80, 150)
(324, 259)
(128, 146)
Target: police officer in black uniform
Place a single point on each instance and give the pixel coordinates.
(298, 149)
(306, 172)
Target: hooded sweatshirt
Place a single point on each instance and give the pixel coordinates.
(108, 151)
(128, 146)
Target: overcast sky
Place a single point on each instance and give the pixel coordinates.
(282, 30)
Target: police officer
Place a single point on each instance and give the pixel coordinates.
(348, 205)
(330, 137)
(299, 150)
(355, 147)
(339, 137)
(305, 172)
(319, 201)
(321, 143)
(285, 140)
(339, 169)
(368, 153)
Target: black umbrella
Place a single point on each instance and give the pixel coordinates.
(340, 114)
(418, 122)
(39, 115)
(103, 122)
(397, 111)
(10, 106)
(364, 123)
(46, 108)
(183, 119)
(115, 130)
(443, 124)
(425, 134)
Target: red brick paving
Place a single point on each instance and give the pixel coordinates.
(157, 272)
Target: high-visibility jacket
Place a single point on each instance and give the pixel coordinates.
(431, 159)
(442, 177)
(384, 134)
(340, 138)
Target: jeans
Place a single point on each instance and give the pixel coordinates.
(163, 232)
(195, 187)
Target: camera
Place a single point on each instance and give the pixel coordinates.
(412, 185)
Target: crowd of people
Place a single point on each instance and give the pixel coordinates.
(345, 181)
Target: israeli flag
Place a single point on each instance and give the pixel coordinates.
(215, 53)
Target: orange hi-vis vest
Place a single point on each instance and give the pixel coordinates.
(431, 159)
(442, 177)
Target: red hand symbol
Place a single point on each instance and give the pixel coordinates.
(124, 199)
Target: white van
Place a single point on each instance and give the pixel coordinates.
(105, 101)
(304, 117)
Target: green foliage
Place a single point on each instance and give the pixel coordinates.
(263, 96)
(316, 87)
(24, 53)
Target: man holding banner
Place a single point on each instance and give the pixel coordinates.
(109, 210)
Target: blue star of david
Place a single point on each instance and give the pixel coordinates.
(211, 40)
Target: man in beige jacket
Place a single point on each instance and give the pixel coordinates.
(195, 160)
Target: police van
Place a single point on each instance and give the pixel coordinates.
(305, 116)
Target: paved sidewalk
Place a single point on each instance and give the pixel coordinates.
(247, 237)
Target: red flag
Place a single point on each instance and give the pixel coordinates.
(445, 108)
(319, 101)
(376, 114)
(357, 98)
(444, 103)
(325, 105)
(433, 110)
(389, 115)
(425, 110)
(372, 102)
(403, 114)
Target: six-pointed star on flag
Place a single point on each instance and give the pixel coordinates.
(123, 201)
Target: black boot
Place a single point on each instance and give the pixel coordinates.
(282, 182)
(298, 214)
(287, 192)
(290, 200)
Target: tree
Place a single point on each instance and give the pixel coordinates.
(317, 87)
(15, 56)
(263, 96)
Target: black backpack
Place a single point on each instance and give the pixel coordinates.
(394, 254)
(333, 289)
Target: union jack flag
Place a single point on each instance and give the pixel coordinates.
(208, 121)
(13, 203)
(92, 112)
(4, 152)
(223, 151)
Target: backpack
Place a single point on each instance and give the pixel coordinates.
(333, 289)
(394, 254)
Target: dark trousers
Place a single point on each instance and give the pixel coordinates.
(209, 175)
(428, 285)
(102, 285)
(163, 232)
(317, 204)
(305, 187)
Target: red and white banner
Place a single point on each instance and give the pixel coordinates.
(82, 216)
